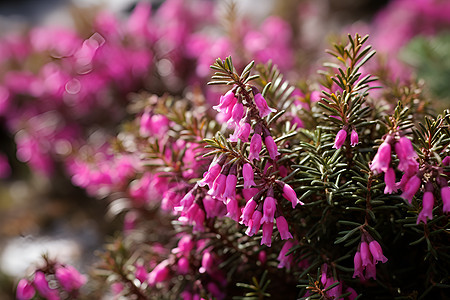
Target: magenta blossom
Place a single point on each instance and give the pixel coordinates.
(25, 290)
(261, 104)
(255, 147)
(340, 138)
(267, 234)
(247, 173)
(354, 139)
(283, 228)
(271, 147)
(377, 252)
(269, 207)
(389, 179)
(427, 207)
(411, 188)
(159, 274)
(69, 278)
(382, 159)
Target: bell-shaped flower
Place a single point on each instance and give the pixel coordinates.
(261, 104)
(255, 147)
(225, 101)
(366, 256)
(382, 159)
(340, 138)
(389, 180)
(254, 223)
(159, 274)
(248, 174)
(445, 195)
(283, 228)
(411, 188)
(269, 207)
(271, 147)
(267, 234)
(354, 139)
(358, 267)
(427, 207)
(248, 211)
(406, 154)
(377, 252)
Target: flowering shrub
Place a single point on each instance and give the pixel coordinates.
(272, 189)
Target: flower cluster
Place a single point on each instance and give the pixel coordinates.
(66, 278)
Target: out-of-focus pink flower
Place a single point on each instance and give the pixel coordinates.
(41, 284)
(5, 169)
(141, 273)
(183, 265)
(340, 138)
(159, 274)
(25, 290)
(69, 278)
(286, 261)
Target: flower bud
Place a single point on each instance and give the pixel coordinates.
(340, 139)
(354, 139)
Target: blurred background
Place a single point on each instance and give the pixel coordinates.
(63, 64)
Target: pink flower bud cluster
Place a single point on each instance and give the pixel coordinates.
(412, 179)
(66, 277)
(368, 255)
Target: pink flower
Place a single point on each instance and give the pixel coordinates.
(225, 101)
(211, 174)
(286, 261)
(289, 194)
(371, 271)
(389, 179)
(406, 154)
(254, 223)
(366, 256)
(218, 186)
(183, 265)
(445, 194)
(207, 262)
(69, 278)
(159, 274)
(283, 228)
(271, 147)
(244, 131)
(41, 284)
(247, 173)
(185, 245)
(340, 139)
(267, 234)
(382, 159)
(248, 211)
(261, 104)
(25, 290)
(234, 212)
(269, 207)
(357, 262)
(354, 139)
(427, 207)
(377, 252)
(230, 188)
(236, 114)
(255, 147)
(140, 273)
(411, 188)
